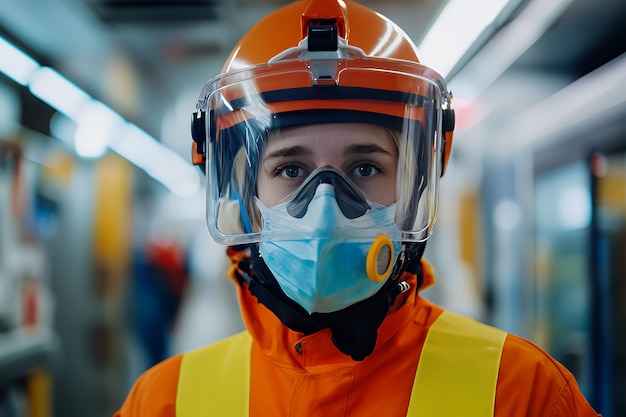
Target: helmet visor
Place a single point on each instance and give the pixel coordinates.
(272, 126)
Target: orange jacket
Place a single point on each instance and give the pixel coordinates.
(295, 375)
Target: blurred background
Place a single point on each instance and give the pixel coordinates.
(106, 266)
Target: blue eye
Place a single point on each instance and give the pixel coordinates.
(365, 170)
(292, 171)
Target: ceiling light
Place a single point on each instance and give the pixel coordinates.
(97, 128)
(16, 64)
(59, 92)
(157, 160)
(592, 99)
(455, 30)
(506, 47)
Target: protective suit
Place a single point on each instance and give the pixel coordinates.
(294, 375)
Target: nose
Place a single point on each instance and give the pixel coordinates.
(350, 200)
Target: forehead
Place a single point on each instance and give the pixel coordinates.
(331, 136)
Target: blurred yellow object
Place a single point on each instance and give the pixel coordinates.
(39, 392)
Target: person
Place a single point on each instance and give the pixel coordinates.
(323, 142)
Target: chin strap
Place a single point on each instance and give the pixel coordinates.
(355, 328)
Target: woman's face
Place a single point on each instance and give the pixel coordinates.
(367, 154)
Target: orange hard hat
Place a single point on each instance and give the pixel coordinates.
(360, 26)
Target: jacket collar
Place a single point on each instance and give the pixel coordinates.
(293, 349)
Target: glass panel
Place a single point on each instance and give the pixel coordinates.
(609, 269)
(562, 288)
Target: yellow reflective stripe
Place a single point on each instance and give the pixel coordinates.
(215, 380)
(456, 375)
(458, 369)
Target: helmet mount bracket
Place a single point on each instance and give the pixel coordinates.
(322, 37)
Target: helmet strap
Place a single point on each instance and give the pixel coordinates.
(354, 328)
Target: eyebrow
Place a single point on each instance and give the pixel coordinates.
(358, 148)
(289, 151)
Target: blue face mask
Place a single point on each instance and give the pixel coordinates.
(333, 266)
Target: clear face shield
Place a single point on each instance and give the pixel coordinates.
(275, 132)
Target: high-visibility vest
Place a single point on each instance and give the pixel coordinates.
(460, 359)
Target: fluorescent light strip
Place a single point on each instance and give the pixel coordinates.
(455, 30)
(59, 93)
(597, 95)
(506, 47)
(15, 64)
(98, 126)
(158, 161)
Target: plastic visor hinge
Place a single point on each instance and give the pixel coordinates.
(198, 130)
(323, 38)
